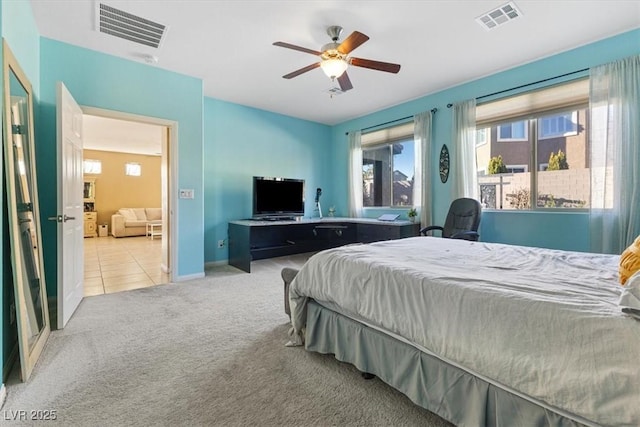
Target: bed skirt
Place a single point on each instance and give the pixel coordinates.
(448, 391)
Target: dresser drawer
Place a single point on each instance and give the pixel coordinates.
(90, 224)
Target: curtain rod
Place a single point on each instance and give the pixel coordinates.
(525, 85)
(433, 111)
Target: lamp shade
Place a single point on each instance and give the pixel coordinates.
(334, 67)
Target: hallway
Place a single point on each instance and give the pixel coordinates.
(114, 265)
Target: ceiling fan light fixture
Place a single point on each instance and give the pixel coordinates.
(334, 67)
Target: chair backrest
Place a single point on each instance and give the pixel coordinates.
(464, 215)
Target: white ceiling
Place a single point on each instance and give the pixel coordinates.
(228, 44)
(107, 134)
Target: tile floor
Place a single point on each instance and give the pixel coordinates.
(114, 265)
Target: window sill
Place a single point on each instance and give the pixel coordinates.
(539, 211)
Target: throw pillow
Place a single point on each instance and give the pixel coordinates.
(127, 214)
(154, 214)
(630, 261)
(140, 214)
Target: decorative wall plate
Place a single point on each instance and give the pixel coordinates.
(443, 163)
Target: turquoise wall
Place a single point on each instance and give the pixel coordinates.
(240, 142)
(21, 33)
(107, 82)
(560, 230)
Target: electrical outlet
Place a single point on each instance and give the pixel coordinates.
(221, 243)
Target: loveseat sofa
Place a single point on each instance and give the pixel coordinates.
(133, 221)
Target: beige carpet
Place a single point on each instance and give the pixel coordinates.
(207, 352)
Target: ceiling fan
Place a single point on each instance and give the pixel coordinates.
(335, 59)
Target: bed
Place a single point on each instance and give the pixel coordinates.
(479, 333)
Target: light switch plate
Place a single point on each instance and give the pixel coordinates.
(186, 193)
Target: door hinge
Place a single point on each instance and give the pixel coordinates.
(17, 130)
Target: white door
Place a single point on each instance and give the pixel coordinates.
(70, 206)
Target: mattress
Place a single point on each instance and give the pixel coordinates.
(541, 322)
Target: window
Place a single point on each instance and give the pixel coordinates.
(558, 125)
(481, 136)
(388, 167)
(92, 166)
(133, 169)
(517, 168)
(546, 162)
(516, 131)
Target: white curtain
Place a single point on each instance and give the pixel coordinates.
(615, 154)
(355, 174)
(464, 137)
(423, 175)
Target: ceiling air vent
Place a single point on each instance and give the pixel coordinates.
(127, 26)
(499, 16)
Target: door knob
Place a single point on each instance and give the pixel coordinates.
(61, 218)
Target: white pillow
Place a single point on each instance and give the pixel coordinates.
(630, 297)
(140, 214)
(127, 214)
(154, 214)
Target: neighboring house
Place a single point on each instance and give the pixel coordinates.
(559, 133)
(513, 141)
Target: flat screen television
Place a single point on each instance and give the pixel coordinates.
(277, 198)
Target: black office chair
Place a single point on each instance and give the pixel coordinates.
(462, 220)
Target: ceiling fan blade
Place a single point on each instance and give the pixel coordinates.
(301, 71)
(353, 41)
(375, 65)
(294, 47)
(345, 82)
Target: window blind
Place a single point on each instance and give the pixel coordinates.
(386, 135)
(557, 97)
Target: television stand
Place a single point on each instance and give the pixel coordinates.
(259, 239)
(275, 218)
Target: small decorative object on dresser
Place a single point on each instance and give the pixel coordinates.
(412, 214)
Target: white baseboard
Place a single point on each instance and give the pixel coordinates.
(190, 277)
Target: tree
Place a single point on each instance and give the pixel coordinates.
(557, 161)
(496, 165)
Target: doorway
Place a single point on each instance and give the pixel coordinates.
(133, 176)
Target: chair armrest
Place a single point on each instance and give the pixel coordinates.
(117, 225)
(430, 228)
(466, 235)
